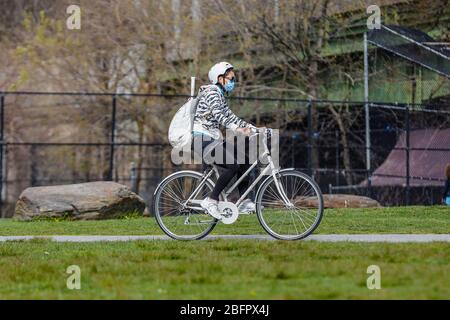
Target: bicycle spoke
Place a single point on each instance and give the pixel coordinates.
(295, 219)
(173, 216)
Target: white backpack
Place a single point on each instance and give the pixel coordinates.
(180, 129)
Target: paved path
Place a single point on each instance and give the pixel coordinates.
(320, 237)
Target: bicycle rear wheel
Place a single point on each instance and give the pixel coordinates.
(169, 206)
(295, 221)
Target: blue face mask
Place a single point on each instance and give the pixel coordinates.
(229, 86)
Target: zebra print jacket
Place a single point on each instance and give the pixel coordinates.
(212, 111)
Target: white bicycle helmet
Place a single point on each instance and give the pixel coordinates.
(217, 70)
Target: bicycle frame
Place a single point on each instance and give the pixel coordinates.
(270, 167)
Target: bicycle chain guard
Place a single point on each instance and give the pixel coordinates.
(229, 211)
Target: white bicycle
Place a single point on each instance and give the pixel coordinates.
(289, 204)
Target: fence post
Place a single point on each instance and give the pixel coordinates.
(310, 137)
(2, 132)
(133, 177)
(367, 115)
(112, 138)
(33, 166)
(407, 155)
(292, 151)
(338, 169)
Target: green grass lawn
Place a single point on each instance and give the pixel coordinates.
(230, 269)
(223, 269)
(415, 219)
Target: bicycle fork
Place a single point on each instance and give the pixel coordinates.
(280, 189)
(275, 173)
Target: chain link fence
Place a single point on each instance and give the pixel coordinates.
(63, 138)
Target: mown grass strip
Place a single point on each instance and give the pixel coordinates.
(414, 219)
(223, 269)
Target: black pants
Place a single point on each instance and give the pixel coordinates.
(209, 149)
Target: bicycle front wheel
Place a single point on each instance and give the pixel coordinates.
(174, 217)
(293, 221)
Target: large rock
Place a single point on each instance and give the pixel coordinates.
(83, 201)
(340, 201)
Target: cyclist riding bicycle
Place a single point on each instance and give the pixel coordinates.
(288, 203)
(213, 111)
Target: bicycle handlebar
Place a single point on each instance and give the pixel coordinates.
(258, 131)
